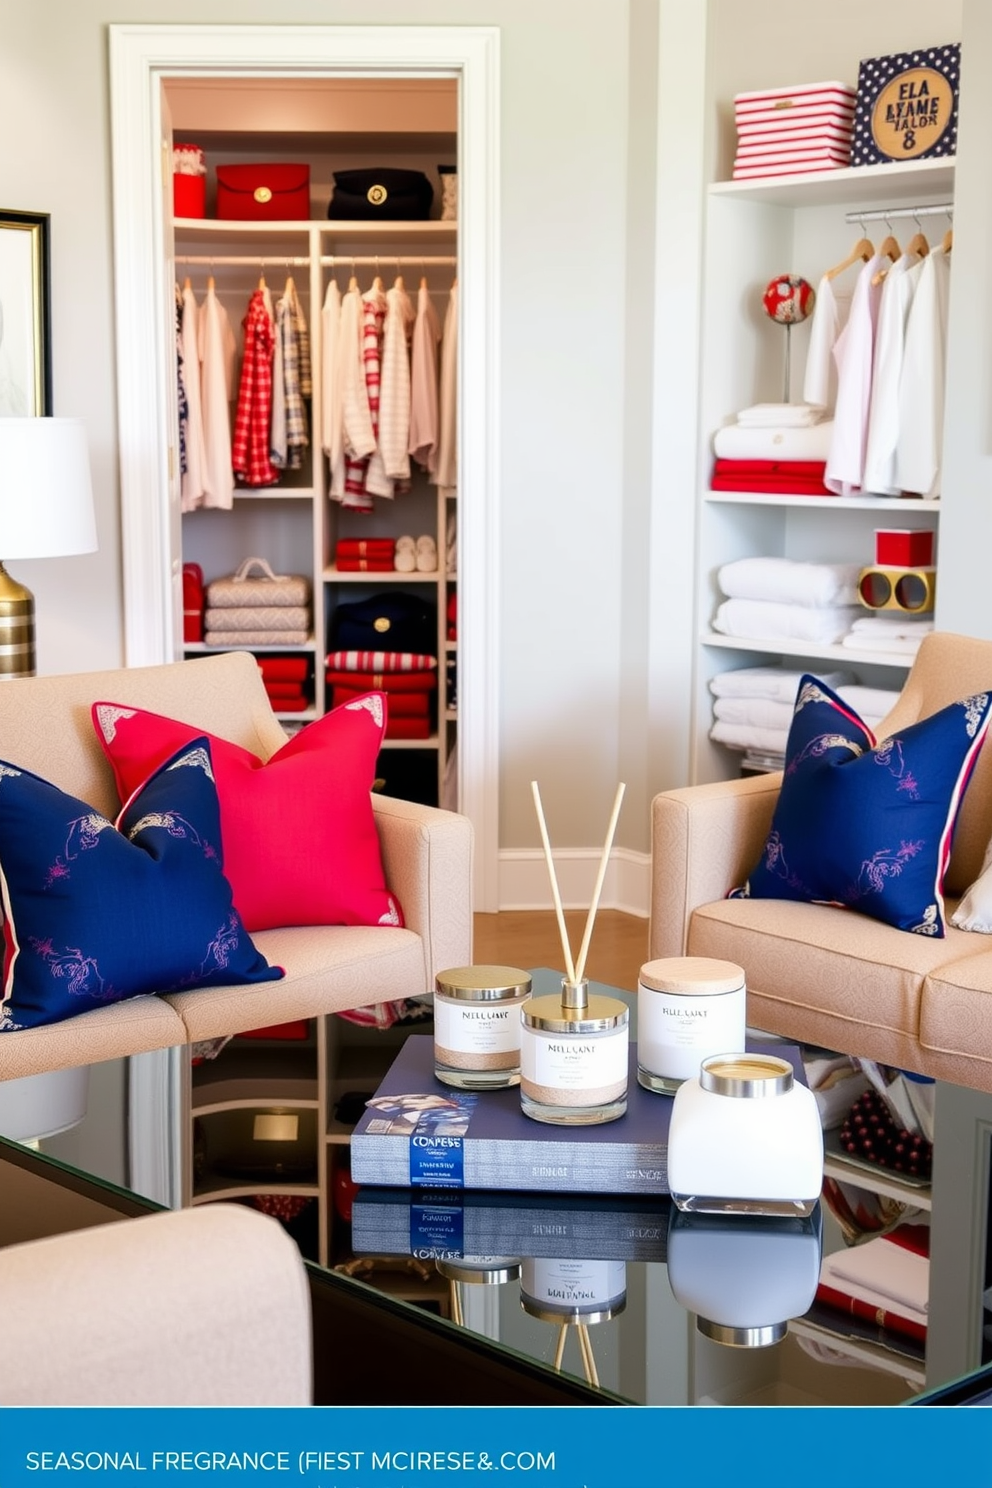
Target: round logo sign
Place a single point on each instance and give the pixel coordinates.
(911, 113)
(377, 195)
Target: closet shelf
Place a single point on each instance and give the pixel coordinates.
(776, 646)
(895, 506)
(221, 227)
(332, 575)
(200, 648)
(869, 184)
(431, 742)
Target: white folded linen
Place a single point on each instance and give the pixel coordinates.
(766, 619)
(776, 682)
(884, 1273)
(763, 713)
(766, 713)
(896, 645)
(745, 736)
(871, 703)
(733, 442)
(894, 625)
(780, 416)
(790, 582)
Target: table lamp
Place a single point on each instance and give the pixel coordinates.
(46, 511)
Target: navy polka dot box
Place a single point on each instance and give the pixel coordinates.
(907, 106)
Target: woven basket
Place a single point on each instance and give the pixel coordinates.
(244, 591)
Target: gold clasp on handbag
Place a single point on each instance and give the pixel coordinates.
(262, 194)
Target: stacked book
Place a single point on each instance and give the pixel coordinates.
(790, 131)
(409, 680)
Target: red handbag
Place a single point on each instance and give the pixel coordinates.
(263, 193)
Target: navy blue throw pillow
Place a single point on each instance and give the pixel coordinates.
(96, 911)
(869, 825)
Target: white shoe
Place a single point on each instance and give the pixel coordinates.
(426, 554)
(405, 557)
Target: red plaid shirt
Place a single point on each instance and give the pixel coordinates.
(250, 446)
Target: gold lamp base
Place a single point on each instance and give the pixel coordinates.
(16, 628)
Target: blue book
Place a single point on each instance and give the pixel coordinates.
(443, 1225)
(482, 1140)
(418, 1133)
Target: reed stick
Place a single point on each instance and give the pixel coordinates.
(603, 864)
(585, 1347)
(560, 1350)
(556, 896)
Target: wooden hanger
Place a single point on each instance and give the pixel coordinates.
(261, 280)
(187, 283)
(863, 250)
(398, 282)
(918, 243)
(423, 281)
(890, 249)
(210, 282)
(948, 241)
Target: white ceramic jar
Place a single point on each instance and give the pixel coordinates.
(744, 1276)
(688, 1007)
(477, 1025)
(745, 1138)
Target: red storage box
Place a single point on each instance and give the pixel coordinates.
(189, 195)
(902, 547)
(263, 193)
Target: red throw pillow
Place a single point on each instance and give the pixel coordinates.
(299, 837)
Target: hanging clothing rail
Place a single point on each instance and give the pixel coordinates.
(345, 260)
(341, 260)
(252, 259)
(944, 210)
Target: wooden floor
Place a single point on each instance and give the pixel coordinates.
(617, 950)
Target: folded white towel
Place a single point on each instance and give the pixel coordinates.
(780, 416)
(764, 619)
(872, 703)
(895, 645)
(790, 582)
(740, 713)
(746, 736)
(776, 682)
(894, 625)
(764, 713)
(733, 442)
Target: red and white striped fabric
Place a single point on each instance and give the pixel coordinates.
(778, 101)
(839, 120)
(803, 139)
(250, 445)
(379, 661)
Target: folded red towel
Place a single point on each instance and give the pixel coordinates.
(812, 468)
(365, 547)
(364, 565)
(283, 668)
(383, 681)
(400, 705)
(284, 689)
(408, 728)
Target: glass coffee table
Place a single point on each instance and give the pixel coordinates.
(542, 1299)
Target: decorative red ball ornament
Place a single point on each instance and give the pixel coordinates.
(788, 299)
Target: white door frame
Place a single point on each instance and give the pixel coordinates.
(141, 58)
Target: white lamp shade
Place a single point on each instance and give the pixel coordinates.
(46, 495)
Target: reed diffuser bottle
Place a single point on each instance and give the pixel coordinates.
(574, 1048)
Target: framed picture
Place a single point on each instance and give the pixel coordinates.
(25, 334)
